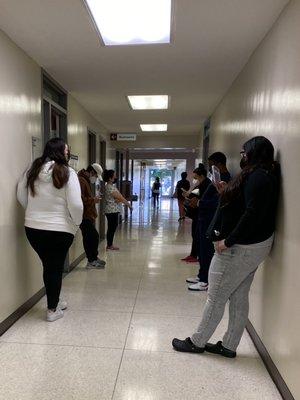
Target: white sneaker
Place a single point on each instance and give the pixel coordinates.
(97, 264)
(200, 286)
(54, 315)
(193, 280)
(63, 305)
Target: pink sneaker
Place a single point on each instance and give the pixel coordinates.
(112, 248)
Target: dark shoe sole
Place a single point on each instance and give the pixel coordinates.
(223, 352)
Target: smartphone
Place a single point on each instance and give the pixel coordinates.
(216, 177)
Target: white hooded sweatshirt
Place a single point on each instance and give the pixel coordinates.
(51, 209)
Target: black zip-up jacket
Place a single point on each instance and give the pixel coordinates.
(250, 218)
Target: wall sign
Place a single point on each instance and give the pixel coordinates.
(73, 162)
(36, 148)
(129, 137)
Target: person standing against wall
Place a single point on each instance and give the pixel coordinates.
(90, 236)
(207, 207)
(112, 206)
(243, 234)
(182, 187)
(50, 193)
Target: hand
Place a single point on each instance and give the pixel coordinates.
(221, 186)
(194, 202)
(221, 246)
(97, 199)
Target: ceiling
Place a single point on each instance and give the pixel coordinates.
(212, 41)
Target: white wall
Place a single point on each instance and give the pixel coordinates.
(20, 119)
(265, 100)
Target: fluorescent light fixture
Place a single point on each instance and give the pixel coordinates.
(149, 102)
(123, 22)
(154, 127)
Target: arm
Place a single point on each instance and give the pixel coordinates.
(74, 202)
(117, 196)
(257, 192)
(22, 191)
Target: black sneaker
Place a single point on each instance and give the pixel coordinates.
(186, 346)
(218, 348)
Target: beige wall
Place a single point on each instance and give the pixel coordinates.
(265, 100)
(20, 116)
(79, 121)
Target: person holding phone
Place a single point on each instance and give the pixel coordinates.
(243, 232)
(207, 207)
(87, 178)
(113, 201)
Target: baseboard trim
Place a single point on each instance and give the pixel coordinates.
(76, 262)
(10, 320)
(269, 363)
(24, 308)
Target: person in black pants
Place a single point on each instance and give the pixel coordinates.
(52, 248)
(50, 193)
(201, 183)
(112, 224)
(156, 191)
(207, 207)
(89, 232)
(112, 206)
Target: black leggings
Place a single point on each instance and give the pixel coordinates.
(52, 248)
(90, 238)
(195, 241)
(112, 224)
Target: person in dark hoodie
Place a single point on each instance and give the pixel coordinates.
(87, 178)
(207, 207)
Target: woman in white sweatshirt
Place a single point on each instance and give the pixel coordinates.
(50, 193)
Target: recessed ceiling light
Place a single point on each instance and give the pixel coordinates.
(154, 127)
(123, 22)
(149, 102)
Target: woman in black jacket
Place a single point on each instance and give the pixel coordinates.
(243, 232)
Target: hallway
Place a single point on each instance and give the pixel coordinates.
(114, 341)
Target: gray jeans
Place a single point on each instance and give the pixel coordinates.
(230, 277)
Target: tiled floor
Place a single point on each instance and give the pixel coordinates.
(114, 341)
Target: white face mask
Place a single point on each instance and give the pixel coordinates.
(93, 179)
(195, 181)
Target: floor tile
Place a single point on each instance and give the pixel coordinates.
(42, 372)
(177, 376)
(76, 328)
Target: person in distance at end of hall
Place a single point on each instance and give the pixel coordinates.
(112, 206)
(201, 183)
(50, 193)
(156, 191)
(207, 207)
(243, 233)
(182, 187)
(87, 178)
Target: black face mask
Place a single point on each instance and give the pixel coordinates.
(115, 181)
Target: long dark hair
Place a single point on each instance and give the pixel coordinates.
(54, 151)
(258, 152)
